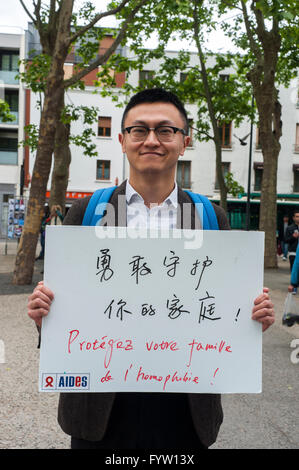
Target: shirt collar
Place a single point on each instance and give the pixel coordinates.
(133, 196)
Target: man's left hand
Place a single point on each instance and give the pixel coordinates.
(263, 310)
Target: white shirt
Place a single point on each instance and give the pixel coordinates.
(157, 216)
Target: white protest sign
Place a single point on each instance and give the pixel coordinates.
(146, 314)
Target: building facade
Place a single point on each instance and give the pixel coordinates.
(12, 49)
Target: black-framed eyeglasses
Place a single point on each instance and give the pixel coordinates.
(163, 133)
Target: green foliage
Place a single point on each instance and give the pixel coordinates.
(277, 17)
(88, 115)
(70, 113)
(5, 114)
(74, 113)
(233, 187)
(84, 140)
(31, 137)
(36, 72)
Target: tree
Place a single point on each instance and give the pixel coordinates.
(54, 23)
(270, 58)
(220, 99)
(35, 75)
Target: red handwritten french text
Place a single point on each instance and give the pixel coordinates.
(196, 345)
(169, 378)
(109, 345)
(107, 377)
(164, 345)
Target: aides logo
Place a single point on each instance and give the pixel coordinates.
(65, 382)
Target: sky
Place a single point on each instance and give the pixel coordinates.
(13, 19)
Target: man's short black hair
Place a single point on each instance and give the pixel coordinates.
(156, 95)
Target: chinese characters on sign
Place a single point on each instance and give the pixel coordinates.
(140, 268)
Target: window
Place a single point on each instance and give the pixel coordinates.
(9, 61)
(225, 170)
(183, 77)
(258, 176)
(296, 178)
(145, 75)
(224, 77)
(103, 169)
(258, 144)
(8, 148)
(8, 144)
(225, 134)
(184, 174)
(12, 98)
(190, 122)
(104, 126)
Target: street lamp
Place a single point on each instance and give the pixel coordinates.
(249, 171)
(242, 142)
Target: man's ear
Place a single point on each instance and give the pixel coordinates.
(186, 143)
(121, 140)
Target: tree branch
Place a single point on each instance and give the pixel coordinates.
(261, 29)
(104, 57)
(230, 5)
(52, 11)
(97, 18)
(253, 45)
(37, 7)
(202, 132)
(28, 13)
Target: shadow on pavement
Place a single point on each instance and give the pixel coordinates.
(7, 288)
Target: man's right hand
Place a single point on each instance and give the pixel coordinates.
(39, 303)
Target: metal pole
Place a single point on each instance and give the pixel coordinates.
(249, 173)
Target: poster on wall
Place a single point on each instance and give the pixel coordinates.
(16, 217)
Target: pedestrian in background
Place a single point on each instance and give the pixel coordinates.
(282, 237)
(291, 237)
(290, 316)
(56, 217)
(43, 232)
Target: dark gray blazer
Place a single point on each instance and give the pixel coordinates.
(86, 415)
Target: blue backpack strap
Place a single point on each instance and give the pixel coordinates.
(96, 206)
(207, 213)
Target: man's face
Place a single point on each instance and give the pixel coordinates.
(153, 156)
(296, 218)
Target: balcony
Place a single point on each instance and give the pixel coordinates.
(8, 77)
(15, 122)
(8, 157)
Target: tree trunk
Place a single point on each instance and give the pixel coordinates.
(26, 250)
(62, 160)
(268, 206)
(50, 114)
(211, 111)
(220, 176)
(265, 46)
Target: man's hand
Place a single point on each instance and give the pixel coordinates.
(39, 303)
(263, 311)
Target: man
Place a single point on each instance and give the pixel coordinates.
(291, 237)
(282, 234)
(154, 135)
